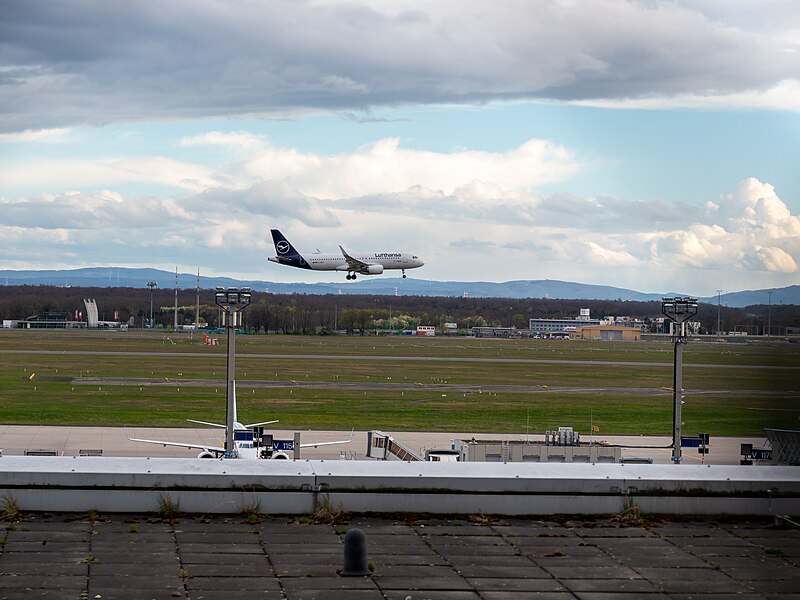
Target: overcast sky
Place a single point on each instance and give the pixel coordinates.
(651, 145)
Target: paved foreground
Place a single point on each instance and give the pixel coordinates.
(73, 556)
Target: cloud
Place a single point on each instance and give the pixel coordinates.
(100, 210)
(386, 167)
(238, 140)
(91, 62)
(57, 136)
(273, 199)
(61, 174)
(785, 95)
(776, 260)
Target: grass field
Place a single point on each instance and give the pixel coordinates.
(760, 383)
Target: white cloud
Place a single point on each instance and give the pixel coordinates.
(609, 257)
(100, 210)
(784, 95)
(53, 136)
(386, 167)
(776, 260)
(52, 174)
(239, 140)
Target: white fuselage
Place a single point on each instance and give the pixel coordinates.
(319, 261)
(336, 262)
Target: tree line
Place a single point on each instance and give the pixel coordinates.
(358, 314)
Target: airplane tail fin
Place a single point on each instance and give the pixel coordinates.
(283, 248)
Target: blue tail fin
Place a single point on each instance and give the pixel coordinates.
(286, 253)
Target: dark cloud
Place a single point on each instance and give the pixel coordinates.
(94, 62)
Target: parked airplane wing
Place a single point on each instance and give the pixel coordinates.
(314, 445)
(220, 425)
(180, 445)
(251, 425)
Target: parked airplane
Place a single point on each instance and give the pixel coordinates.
(249, 441)
(366, 263)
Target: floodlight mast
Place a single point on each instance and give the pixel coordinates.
(232, 301)
(153, 285)
(678, 310)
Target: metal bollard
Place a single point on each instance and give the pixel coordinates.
(355, 554)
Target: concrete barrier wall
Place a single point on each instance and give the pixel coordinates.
(138, 485)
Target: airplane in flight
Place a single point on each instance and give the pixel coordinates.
(365, 263)
(249, 441)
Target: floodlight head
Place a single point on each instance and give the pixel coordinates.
(232, 299)
(679, 309)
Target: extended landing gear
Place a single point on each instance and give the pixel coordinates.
(351, 276)
(404, 273)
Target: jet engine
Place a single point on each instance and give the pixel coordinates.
(280, 456)
(206, 454)
(374, 269)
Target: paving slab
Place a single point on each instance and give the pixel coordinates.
(529, 571)
(41, 594)
(527, 595)
(115, 593)
(737, 596)
(697, 581)
(333, 595)
(484, 584)
(578, 571)
(236, 595)
(431, 559)
(616, 596)
(430, 595)
(38, 581)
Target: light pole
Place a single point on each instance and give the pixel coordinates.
(769, 314)
(678, 310)
(719, 330)
(232, 301)
(153, 285)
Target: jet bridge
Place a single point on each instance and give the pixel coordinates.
(380, 445)
(785, 446)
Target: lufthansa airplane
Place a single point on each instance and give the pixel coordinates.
(366, 263)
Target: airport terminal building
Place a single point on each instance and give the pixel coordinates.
(558, 325)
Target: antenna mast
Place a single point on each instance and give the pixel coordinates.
(175, 327)
(197, 305)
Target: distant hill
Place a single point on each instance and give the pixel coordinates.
(386, 286)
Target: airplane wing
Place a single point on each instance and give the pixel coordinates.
(180, 445)
(262, 423)
(353, 263)
(220, 425)
(313, 445)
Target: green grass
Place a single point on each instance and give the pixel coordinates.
(743, 411)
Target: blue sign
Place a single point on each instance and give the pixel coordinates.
(283, 445)
(761, 454)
